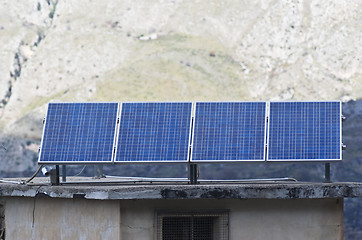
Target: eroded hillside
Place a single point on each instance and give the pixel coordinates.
(173, 50)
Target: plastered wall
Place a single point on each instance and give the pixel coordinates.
(61, 219)
(135, 219)
(248, 219)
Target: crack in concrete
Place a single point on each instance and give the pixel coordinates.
(137, 228)
(20, 59)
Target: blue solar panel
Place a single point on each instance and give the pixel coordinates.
(154, 132)
(229, 131)
(79, 133)
(308, 131)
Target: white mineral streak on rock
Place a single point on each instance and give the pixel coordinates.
(148, 37)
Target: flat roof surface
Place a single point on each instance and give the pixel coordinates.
(129, 189)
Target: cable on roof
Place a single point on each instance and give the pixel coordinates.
(34, 175)
(80, 171)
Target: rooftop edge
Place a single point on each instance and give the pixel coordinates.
(136, 191)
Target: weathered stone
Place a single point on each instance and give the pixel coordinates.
(112, 190)
(265, 50)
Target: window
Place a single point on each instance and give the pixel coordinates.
(193, 225)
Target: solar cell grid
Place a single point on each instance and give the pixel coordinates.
(308, 131)
(79, 133)
(229, 131)
(160, 132)
(154, 132)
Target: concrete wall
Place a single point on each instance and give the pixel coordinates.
(61, 219)
(2, 219)
(135, 219)
(249, 219)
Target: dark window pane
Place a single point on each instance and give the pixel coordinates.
(176, 228)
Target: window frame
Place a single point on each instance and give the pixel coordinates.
(221, 225)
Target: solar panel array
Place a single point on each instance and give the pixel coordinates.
(161, 132)
(304, 131)
(156, 132)
(79, 133)
(229, 131)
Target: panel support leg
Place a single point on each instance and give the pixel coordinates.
(193, 173)
(64, 173)
(57, 175)
(98, 171)
(54, 176)
(327, 173)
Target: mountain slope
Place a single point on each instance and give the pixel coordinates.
(173, 50)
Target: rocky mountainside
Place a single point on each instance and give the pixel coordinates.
(173, 50)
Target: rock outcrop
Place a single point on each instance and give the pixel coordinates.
(173, 50)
